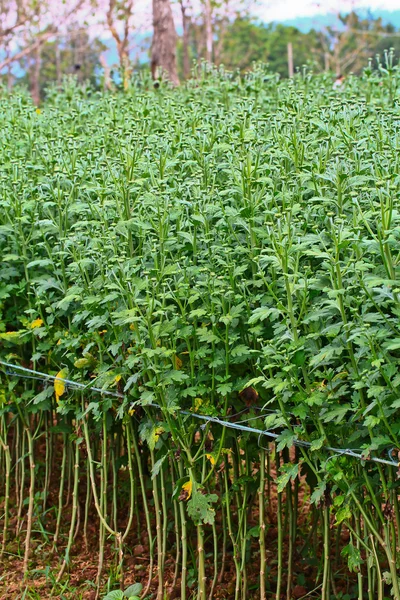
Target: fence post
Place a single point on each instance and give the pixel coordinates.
(290, 59)
(326, 60)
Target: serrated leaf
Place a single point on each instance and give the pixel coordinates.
(262, 313)
(157, 466)
(289, 472)
(200, 509)
(318, 493)
(285, 440)
(344, 513)
(353, 555)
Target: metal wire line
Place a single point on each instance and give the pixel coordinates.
(207, 419)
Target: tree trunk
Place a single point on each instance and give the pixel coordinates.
(58, 62)
(163, 50)
(35, 81)
(290, 59)
(336, 56)
(185, 40)
(326, 61)
(107, 81)
(208, 26)
(122, 41)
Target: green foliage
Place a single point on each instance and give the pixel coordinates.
(246, 42)
(133, 592)
(343, 47)
(200, 509)
(353, 557)
(176, 253)
(228, 248)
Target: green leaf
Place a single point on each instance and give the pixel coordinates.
(262, 313)
(285, 440)
(336, 414)
(150, 433)
(343, 514)
(353, 555)
(200, 509)
(133, 590)
(325, 356)
(176, 376)
(318, 493)
(46, 393)
(224, 389)
(273, 421)
(289, 472)
(393, 345)
(81, 363)
(317, 444)
(115, 595)
(157, 466)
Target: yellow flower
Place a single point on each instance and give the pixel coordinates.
(59, 383)
(211, 458)
(36, 323)
(188, 486)
(131, 412)
(117, 378)
(38, 111)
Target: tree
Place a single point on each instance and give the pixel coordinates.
(355, 39)
(186, 20)
(26, 25)
(163, 49)
(121, 11)
(74, 53)
(208, 29)
(246, 41)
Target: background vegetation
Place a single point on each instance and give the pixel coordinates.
(172, 259)
(104, 41)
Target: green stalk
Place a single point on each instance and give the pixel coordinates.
(325, 593)
(280, 536)
(261, 508)
(61, 491)
(66, 560)
(183, 541)
(145, 506)
(202, 591)
(7, 456)
(160, 556)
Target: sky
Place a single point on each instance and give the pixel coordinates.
(276, 10)
(265, 10)
(282, 10)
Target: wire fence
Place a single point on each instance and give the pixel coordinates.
(356, 453)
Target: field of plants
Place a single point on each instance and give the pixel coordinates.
(200, 340)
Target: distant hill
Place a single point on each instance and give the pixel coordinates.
(319, 21)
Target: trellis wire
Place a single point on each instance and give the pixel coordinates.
(238, 426)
